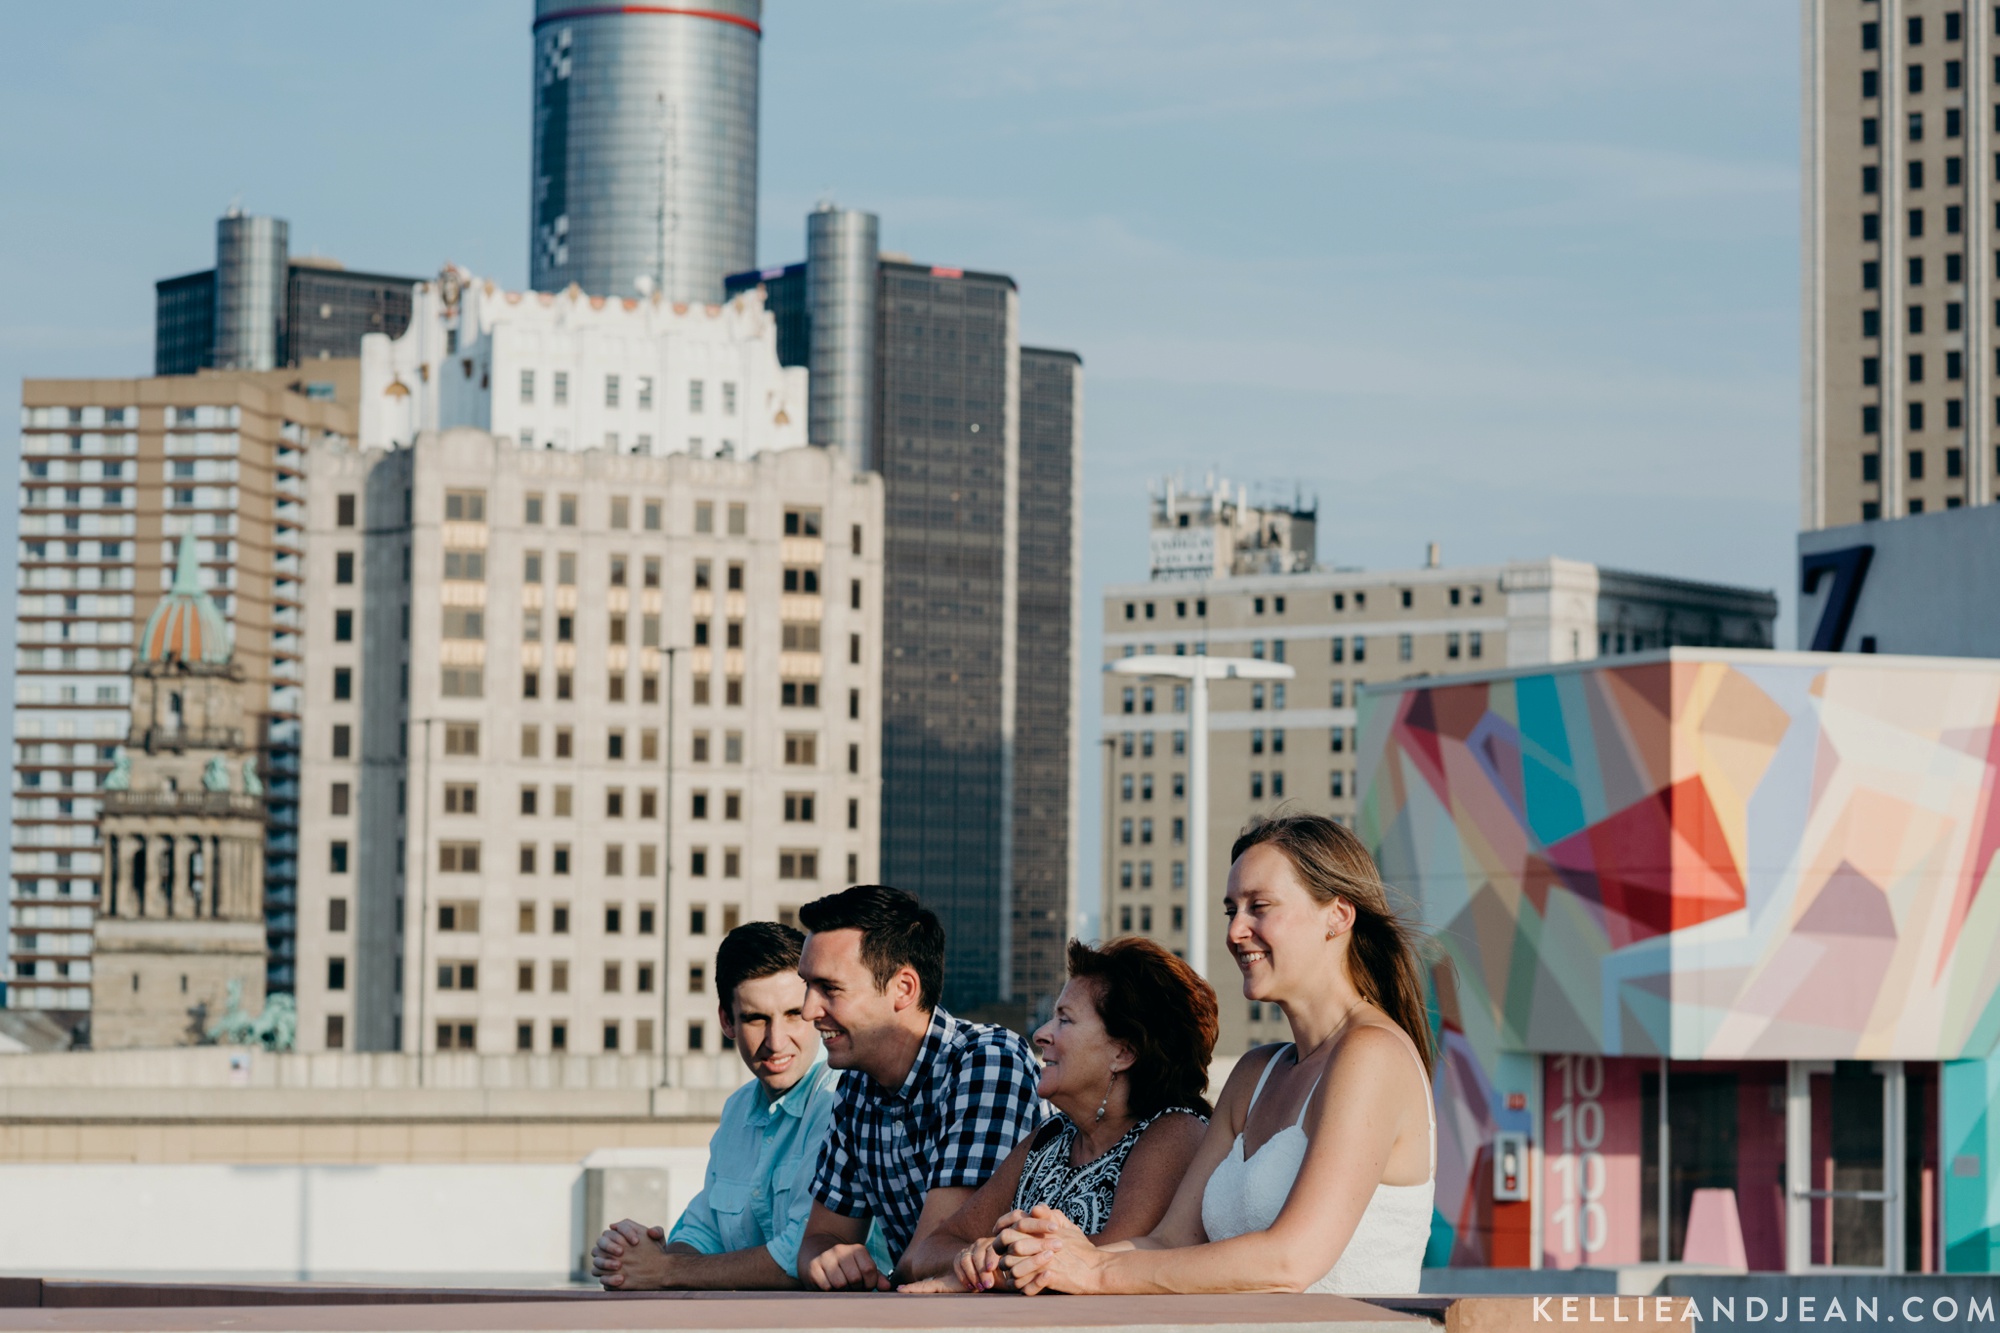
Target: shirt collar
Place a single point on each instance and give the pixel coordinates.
(940, 1031)
(794, 1099)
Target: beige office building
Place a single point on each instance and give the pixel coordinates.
(1290, 744)
(1899, 286)
(569, 718)
(113, 473)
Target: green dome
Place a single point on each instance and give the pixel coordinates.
(186, 626)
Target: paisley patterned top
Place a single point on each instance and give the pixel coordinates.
(1083, 1194)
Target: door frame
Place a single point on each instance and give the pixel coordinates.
(1799, 1193)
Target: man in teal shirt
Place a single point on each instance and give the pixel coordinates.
(742, 1231)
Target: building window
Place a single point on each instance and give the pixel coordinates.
(458, 858)
(1473, 643)
(337, 858)
(1404, 647)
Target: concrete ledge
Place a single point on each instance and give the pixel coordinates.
(71, 1106)
(330, 1310)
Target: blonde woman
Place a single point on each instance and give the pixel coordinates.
(1316, 1173)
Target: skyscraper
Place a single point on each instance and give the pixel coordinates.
(1899, 381)
(645, 147)
(260, 308)
(1048, 681)
(978, 442)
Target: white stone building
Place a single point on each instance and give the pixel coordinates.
(570, 372)
(526, 823)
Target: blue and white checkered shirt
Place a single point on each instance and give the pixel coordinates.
(968, 1099)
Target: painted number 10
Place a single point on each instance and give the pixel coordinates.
(1580, 1220)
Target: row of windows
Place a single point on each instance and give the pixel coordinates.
(462, 916)
(1913, 30)
(1177, 914)
(1913, 319)
(1145, 874)
(793, 863)
(1177, 830)
(1954, 368)
(1954, 123)
(1145, 740)
(469, 506)
(1954, 464)
(1913, 78)
(1913, 416)
(1465, 596)
(463, 1034)
(1872, 510)
(461, 740)
(467, 858)
(1913, 221)
(1142, 698)
(697, 392)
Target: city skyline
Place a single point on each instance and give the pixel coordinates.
(1607, 330)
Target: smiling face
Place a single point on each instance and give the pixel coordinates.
(1078, 1055)
(856, 1019)
(768, 1024)
(1278, 932)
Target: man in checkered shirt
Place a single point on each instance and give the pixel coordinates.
(929, 1105)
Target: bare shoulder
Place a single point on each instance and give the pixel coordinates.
(1175, 1134)
(1243, 1077)
(1379, 1059)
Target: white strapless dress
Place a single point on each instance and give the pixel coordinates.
(1385, 1256)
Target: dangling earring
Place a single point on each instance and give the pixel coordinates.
(1107, 1097)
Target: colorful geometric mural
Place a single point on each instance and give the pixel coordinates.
(1707, 855)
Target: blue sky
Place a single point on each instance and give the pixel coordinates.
(1520, 279)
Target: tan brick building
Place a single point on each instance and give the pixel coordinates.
(1898, 258)
(113, 472)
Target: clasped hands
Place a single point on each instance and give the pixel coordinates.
(1030, 1252)
(630, 1256)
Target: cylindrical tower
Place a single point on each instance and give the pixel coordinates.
(645, 151)
(840, 300)
(252, 266)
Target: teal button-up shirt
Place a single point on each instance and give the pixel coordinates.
(758, 1190)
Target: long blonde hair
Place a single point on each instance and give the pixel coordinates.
(1383, 956)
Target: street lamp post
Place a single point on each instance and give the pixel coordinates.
(667, 865)
(1198, 672)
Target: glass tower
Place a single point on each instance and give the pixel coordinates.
(645, 147)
